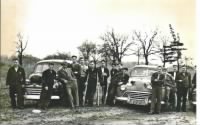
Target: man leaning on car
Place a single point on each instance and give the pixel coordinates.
(67, 78)
(48, 77)
(157, 81)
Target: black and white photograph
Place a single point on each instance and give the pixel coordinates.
(99, 62)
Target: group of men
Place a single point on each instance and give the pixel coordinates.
(179, 82)
(79, 80)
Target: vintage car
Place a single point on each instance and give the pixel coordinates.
(138, 90)
(33, 85)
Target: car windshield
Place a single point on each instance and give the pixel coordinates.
(142, 71)
(44, 66)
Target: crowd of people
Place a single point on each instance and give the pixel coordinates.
(177, 86)
(81, 81)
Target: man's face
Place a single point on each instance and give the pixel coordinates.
(74, 59)
(16, 63)
(183, 69)
(117, 67)
(51, 66)
(103, 64)
(113, 66)
(82, 61)
(164, 71)
(175, 68)
(92, 65)
(159, 69)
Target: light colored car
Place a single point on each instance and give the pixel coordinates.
(33, 85)
(138, 90)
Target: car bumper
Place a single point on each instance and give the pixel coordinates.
(37, 97)
(135, 101)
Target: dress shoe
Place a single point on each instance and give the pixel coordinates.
(151, 113)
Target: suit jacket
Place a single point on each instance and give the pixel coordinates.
(65, 76)
(160, 81)
(15, 78)
(113, 72)
(103, 79)
(48, 77)
(186, 80)
(76, 68)
(172, 73)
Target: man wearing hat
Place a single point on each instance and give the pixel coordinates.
(16, 80)
(117, 80)
(68, 79)
(48, 77)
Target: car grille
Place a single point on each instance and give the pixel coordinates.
(33, 91)
(137, 94)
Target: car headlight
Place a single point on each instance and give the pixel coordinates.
(123, 87)
(149, 86)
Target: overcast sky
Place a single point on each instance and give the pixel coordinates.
(61, 25)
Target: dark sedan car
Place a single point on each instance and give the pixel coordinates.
(33, 85)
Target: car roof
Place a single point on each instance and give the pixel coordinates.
(54, 61)
(146, 66)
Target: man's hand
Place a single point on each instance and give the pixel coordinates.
(104, 74)
(180, 80)
(46, 88)
(156, 80)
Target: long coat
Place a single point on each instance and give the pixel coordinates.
(160, 81)
(48, 77)
(186, 80)
(103, 79)
(15, 78)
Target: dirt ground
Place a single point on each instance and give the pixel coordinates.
(103, 115)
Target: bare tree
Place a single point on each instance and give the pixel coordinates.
(21, 46)
(116, 44)
(164, 41)
(148, 47)
(87, 48)
(137, 51)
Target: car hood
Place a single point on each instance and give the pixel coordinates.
(35, 74)
(139, 84)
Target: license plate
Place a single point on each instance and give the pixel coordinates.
(138, 102)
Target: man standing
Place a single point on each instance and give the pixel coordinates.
(173, 95)
(48, 77)
(114, 70)
(67, 78)
(91, 83)
(16, 80)
(103, 73)
(183, 84)
(82, 80)
(157, 81)
(170, 86)
(76, 68)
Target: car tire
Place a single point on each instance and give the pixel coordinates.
(118, 103)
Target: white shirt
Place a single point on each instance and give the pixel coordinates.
(16, 69)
